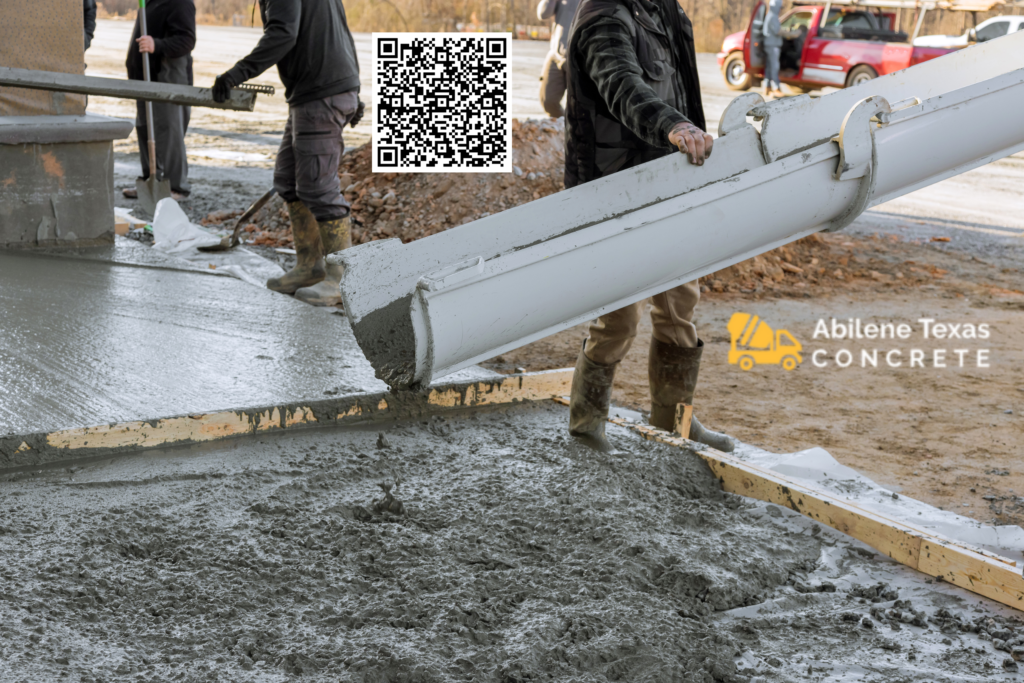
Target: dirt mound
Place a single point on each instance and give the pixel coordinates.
(823, 261)
(415, 205)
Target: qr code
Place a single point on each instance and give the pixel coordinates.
(440, 102)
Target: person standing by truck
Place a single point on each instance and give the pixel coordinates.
(315, 54)
(552, 75)
(634, 96)
(773, 49)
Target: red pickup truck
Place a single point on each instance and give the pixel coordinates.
(850, 46)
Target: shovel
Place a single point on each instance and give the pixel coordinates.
(150, 190)
(232, 241)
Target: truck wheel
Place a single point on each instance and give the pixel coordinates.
(789, 363)
(734, 71)
(746, 363)
(860, 74)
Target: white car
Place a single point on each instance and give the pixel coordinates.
(996, 27)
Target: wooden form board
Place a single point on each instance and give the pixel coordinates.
(957, 563)
(19, 451)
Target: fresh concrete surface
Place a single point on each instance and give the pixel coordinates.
(88, 343)
(519, 555)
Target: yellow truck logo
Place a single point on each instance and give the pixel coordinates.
(755, 343)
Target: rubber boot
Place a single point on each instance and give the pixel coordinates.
(589, 401)
(309, 266)
(672, 371)
(335, 235)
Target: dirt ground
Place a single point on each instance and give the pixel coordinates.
(951, 437)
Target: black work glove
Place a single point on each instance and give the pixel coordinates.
(222, 88)
(358, 116)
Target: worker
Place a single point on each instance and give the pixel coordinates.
(773, 40)
(315, 54)
(169, 43)
(634, 96)
(89, 21)
(552, 74)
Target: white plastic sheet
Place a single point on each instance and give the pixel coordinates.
(175, 235)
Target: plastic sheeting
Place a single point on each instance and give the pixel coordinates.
(46, 35)
(176, 236)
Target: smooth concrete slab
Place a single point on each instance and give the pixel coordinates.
(89, 342)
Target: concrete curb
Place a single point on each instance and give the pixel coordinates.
(45, 448)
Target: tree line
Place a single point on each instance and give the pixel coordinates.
(712, 19)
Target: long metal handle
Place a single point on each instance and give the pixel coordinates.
(250, 212)
(172, 93)
(149, 105)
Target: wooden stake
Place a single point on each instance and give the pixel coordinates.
(684, 415)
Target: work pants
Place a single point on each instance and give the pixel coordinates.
(552, 85)
(771, 67)
(170, 122)
(612, 334)
(310, 151)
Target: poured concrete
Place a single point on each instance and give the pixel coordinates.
(516, 555)
(88, 342)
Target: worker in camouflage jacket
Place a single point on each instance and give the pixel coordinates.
(633, 96)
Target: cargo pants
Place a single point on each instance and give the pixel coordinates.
(553, 85)
(171, 124)
(310, 151)
(612, 334)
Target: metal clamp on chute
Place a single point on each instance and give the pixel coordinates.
(858, 157)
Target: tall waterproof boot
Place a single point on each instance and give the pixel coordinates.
(335, 236)
(309, 266)
(589, 401)
(673, 371)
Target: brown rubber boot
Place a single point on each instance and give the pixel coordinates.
(589, 401)
(309, 266)
(673, 371)
(335, 235)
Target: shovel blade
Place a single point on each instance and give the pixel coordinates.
(152, 191)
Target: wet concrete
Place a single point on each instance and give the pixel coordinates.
(88, 342)
(505, 552)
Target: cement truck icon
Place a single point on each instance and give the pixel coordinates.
(755, 343)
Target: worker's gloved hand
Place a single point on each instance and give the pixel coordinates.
(691, 140)
(222, 88)
(358, 116)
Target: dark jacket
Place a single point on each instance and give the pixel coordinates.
(310, 42)
(89, 15)
(632, 76)
(172, 24)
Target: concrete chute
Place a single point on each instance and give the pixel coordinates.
(425, 309)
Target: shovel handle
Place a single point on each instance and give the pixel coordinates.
(250, 212)
(149, 105)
